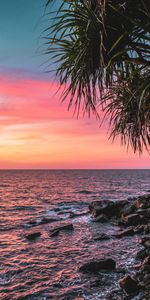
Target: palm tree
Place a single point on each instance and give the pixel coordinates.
(102, 53)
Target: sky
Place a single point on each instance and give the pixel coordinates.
(36, 129)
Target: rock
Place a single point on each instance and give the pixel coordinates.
(126, 232)
(107, 208)
(145, 241)
(46, 220)
(139, 229)
(128, 284)
(63, 227)
(33, 236)
(102, 237)
(133, 219)
(96, 266)
(54, 233)
(128, 209)
(101, 219)
(142, 202)
(146, 264)
(142, 254)
(147, 229)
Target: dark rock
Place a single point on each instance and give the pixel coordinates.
(54, 233)
(128, 209)
(102, 237)
(108, 208)
(133, 219)
(100, 219)
(142, 202)
(46, 220)
(33, 236)
(145, 241)
(126, 232)
(96, 266)
(142, 254)
(147, 229)
(128, 284)
(63, 227)
(85, 192)
(139, 229)
(146, 264)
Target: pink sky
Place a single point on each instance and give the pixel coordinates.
(36, 131)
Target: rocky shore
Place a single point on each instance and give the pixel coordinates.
(132, 217)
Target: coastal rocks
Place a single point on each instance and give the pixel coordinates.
(96, 266)
(33, 236)
(128, 284)
(133, 218)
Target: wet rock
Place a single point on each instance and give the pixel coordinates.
(145, 241)
(102, 237)
(54, 233)
(142, 254)
(128, 209)
(96, 266)
(33, 236)
(147, 229)
(142, 202)
(62, 228)
(133, 219)
(46, 220)
(101, 219)
(107, 208)
(128, 284)
(126, 232)
(139, 229)
(146, 265)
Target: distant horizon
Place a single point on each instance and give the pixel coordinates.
(76, 169)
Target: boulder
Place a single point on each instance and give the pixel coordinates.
(128, 284)
(106, 207)
(33, 236)
(96, 266)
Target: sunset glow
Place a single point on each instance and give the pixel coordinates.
(37, 131)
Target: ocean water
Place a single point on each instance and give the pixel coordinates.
(48, 267)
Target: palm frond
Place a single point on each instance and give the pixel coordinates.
(101, 49)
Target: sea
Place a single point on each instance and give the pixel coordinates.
(48, 267)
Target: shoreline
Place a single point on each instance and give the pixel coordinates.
(132, 218)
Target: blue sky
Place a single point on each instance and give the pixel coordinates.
(22, 24)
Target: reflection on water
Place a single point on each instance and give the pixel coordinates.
(47, 268)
